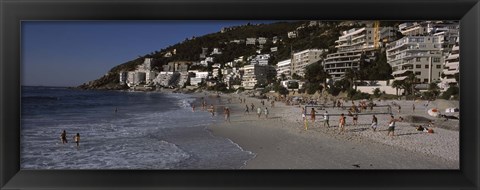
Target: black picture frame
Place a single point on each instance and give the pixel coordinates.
(13, 12)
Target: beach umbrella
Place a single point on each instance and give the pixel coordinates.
(433, 112)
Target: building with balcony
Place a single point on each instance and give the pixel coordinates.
(354, 47)
(420, 55)
(336, 64)
(451, 67)
(261, 59)
(356, 39)
(256, 75)
(284, 67)
(302, 59)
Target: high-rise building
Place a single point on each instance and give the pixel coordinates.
(420, 55)
(302, 59)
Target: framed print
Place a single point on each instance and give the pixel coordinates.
(239, 94)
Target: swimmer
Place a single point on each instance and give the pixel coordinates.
(76, 138)
(63, 137)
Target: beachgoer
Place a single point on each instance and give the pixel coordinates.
(273, 103)
(266, 112)
(355, 119)
(246, 109)
(227, 114)
(259, 112)
(391, 125)
(342, 123)
(312, 115)
(193, 107)
(326, 118)
(212, 110)
(374, 123)
(76, 138)
(303, 113)
(253, 107)
(116, 110)
(63, 137)
(399, 108)
(413, 107)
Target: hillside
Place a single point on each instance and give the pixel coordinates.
(322, 36)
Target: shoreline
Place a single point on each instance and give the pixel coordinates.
(280, 142)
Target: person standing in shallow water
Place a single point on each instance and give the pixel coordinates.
(259, 112)
(227, 115)
(63, 137)
(76, 138)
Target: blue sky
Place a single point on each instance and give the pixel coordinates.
(70, 53)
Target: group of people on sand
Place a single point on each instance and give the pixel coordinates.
(76, 138)
(342, 121)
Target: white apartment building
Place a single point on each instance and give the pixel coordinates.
(135, 78)
(451, 67)
(420, 55)
(216, 51)
(260, 59)
(414, 28)
(199, 77)
(356, 39)
(123, 77)
(292, 34)
(284, 67)
(302, 59)
(251, 41)
(256, 74)
(336, 64)
(351, 45)
(426, 27)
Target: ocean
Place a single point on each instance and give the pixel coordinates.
(120, 130)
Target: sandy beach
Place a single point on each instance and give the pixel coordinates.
(281, 142)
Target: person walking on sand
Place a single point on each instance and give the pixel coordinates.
(259, 112)
(253, 107)
(246, 109)
(374, 123)
(399, 109)
(312, 115)
(303, 113)
(355, 119)
(63, 137)
(326, 118)
(413, 107)
(227, 114)
(266, 112)
(76, 138)
(341, 124)
(391, 125)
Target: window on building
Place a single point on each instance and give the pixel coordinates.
(418, 66)
(426, 66)
(418, 73)
(418, 59)
(439, 66)
(436, 59)
(425, 80)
